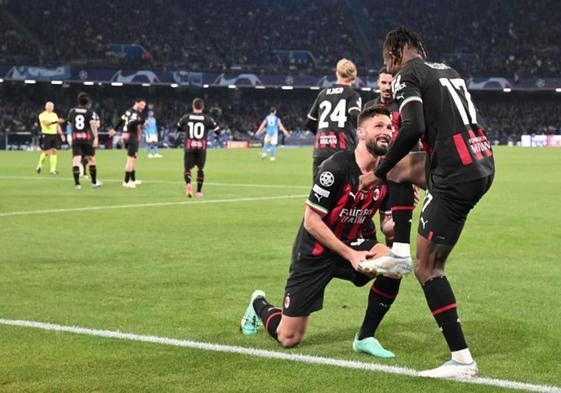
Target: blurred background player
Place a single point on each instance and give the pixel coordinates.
(333, 116)
(151, 135)
(196, 126)
(271, 125)
(84, 125)
(51, 136)
(131, 122)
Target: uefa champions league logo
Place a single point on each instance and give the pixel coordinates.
(326, 179)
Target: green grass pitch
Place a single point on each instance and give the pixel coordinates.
(186, 270)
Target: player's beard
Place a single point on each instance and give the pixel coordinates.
(376, 147)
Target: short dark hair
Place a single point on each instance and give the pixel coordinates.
(372, 111)
(383, 70)
(198, 103)
(139, 99)
(83, 99)
(398, 38)
(273, 109)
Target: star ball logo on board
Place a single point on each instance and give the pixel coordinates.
(326, 179)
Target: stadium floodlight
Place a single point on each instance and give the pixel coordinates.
(231, 86)
(88, 83)
(116, 84)
(30, 81)
(365, 88)
(1, 80)
(146, 84)
(314, 87)
(507, 89)
(261, 87)
(205, 86)
(287, 87)
(174, 85)
(558, 90)
(56, 82)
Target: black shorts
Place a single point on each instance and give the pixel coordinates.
(83, 148)
(132, 147)
(308, 278)
(194, 158)
(49, 141)
(445, 209)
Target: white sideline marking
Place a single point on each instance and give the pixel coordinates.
(270, 354)
(178, 182)
(153, 204)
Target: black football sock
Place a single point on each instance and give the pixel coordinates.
(187, 177)
(402, 202)
(127, 176)
(402, 225)
(200, 180)
(442, 304)
(269, 315)
(382, 294)
(133, 175)
(76, 174)
(93, 174)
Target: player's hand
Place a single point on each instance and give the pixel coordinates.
(95, 142)
(356, 257)
(62, 138)
(111, 132)
(368, 180)
(60, 121)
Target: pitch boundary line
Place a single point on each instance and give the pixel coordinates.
(270, 354)
(152, 204)
(178, 182)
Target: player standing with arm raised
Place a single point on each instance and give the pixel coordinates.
(51, 135)
(434, 104)
(131, 123)
(84, 125)
(271, 125)
(333, 116)
(196, 125)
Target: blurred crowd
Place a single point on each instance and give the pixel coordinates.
(239, 112)
(479, 38)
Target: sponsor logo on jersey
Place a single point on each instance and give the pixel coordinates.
(326, 179)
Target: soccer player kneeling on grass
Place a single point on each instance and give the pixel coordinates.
(330, 244)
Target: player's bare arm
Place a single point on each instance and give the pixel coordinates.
(281, 126)
(320, 231)
(261, 128)
(94, 128)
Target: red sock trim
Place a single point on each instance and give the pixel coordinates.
(270, 317)
(443, 309)
(383, 294)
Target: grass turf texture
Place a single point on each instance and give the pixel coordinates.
(186, 271)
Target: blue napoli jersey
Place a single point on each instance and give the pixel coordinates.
(272, 122)
(151, 127)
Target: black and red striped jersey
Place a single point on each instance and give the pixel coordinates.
(79, 119)
(335, 197)
(454, 137)
(332, 110)
(196, 127)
